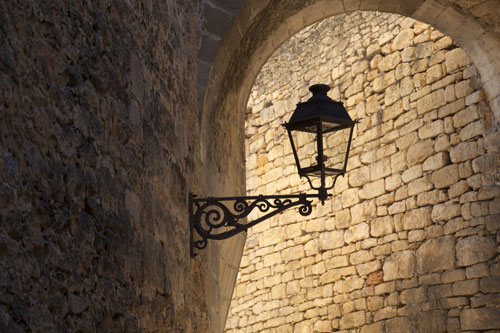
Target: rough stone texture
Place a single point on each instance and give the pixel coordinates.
(474, 249)
(480, 319)
(412, 187)
(400, 265)
(100, 136)
(428, 261)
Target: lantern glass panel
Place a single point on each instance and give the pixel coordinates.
(306, 147)
(336, 143)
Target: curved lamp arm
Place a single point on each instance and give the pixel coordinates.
(220, 218)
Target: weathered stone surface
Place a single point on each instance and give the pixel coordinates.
(428, 261)
(353, 319)
(417, 218)
(445, 212)
(432, 321)
(431, 101)
(418, 152)
(474, 249)
(463, 151)
(480, 319)
(357, 232)
(331, 239)
(490, 284)
(400, 265)
(456, 59)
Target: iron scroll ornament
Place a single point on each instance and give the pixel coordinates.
(213, 219)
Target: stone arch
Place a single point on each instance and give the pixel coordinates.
(261, 26)
(268, 256)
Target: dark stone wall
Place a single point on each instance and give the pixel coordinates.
(99, 138)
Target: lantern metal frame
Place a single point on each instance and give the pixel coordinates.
(219, 217)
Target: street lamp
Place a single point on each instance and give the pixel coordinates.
(320, 132)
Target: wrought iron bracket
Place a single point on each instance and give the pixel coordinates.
(212, 218)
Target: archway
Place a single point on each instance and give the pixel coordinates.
(401, 199)
(261, 26)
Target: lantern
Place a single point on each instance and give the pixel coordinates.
(320, 132)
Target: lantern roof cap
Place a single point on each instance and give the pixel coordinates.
(320, 107)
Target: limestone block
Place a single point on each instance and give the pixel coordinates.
(359, 177)
(353, 319)
(433, 74)
(380, 169)
(397, 207)
(323, 326)
(419, 185)
(382, 226)
(466, 288)
(451, 108)
(466, 116)
(398, 161)
(417, 218)
(413, 295)
(431, 130)
(458, 189)
(464, 151)
(418, 152)
(446, 176)
(371, 50)
(474, 249)
(272, 259)
(412, 173)
(490, 284)
(352, 283)
(475, 97)
(343, 219)
(359, 257)
(456, 59)
(267, 115)
(400, 265)
(318, 268)
(431, 101)
(389, 62)
(478, 271)
(408, 54)
(436, 161)
(428, 261)
(480, 319)
(392, 94)
(444, 43)
(311, 247)
(403, 39)
(463, 88)
(432, 321)
(357, 232)
(403, 70)
(350, 197)
(293, 253)
(372, 190)
(331, 240)
(394, 181)
(407, 140)
(442, 144)
(315, 225)
(472, 130)
(424, 50)
(368, 267)
(272, 236)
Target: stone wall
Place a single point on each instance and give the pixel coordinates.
(99, 146)
(409, 240)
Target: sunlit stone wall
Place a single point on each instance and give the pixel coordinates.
(409, 240)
